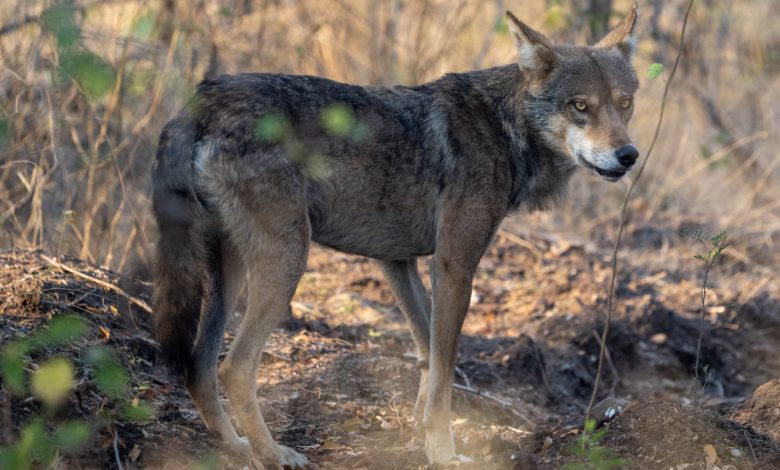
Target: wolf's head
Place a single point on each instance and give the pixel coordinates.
(580, 98)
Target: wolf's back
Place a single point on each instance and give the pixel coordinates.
(180, 251)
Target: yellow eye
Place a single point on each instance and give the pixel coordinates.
(580, 106)
(625, 103)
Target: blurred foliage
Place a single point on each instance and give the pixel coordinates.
(93, 74)
(110, 377)
(143, 27)
(337, 119)
(41, 439)
(5, 130)
(59, 20)
(556, 18)
(272, 128)
(209, 462)
(591, 455)
(654, 70)
(53, 381)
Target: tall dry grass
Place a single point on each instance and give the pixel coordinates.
(78, 130)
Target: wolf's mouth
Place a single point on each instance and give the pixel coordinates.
(610, 175)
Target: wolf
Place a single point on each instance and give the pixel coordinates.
(433, 171)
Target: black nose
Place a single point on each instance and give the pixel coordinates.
(627, 155)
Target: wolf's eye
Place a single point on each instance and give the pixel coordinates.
(625, 103)
(580, 106)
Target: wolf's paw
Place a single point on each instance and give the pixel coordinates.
(290, 458)
(440, 449)
(460, 460)
(239, 445)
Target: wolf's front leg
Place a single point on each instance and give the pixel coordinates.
(451, 295)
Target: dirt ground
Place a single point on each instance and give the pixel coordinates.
(338, 381)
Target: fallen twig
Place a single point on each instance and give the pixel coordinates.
(114, 288)
(623, 216)
(487, 395)
(519, 241)
(116, 452)
(750, 444)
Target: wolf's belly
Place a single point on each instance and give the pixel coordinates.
(381, 234)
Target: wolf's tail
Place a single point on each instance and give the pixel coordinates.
(186, 252)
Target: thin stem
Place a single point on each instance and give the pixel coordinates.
(703, 296)
(623, 216)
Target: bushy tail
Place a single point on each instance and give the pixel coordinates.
(181, 251)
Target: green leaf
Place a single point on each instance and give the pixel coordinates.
(64, 329)
(590, 425)
(501, 26)
(556, 18)
(12, 368)
(71, 435)
(12, 459)
(337, 119)
(5, 131)
(94, 75)
(144, 26)
(654, 70)
(317, 165)
(139, 413)
(361, 131)
(53, 381)
(34, 442)
(272, 127)
(208, 462)
(109, 375)
(58, 19)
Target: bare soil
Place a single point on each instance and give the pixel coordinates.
(338, 381)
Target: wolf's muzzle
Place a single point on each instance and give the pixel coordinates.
(627, 155)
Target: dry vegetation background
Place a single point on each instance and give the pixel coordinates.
(78, 130)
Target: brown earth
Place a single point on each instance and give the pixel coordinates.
(762, 411)
(338, 381)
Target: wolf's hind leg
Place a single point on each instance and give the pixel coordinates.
(416, 306)
(275, 255)
(228, 274)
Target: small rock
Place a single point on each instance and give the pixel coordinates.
(608, 408)
(736, 452)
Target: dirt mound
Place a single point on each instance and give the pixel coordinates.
(761, 411)
(663, 435)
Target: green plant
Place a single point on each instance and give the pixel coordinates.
(51, 380)
(713, 246)
(590, 454)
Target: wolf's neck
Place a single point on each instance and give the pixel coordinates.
(540, 174)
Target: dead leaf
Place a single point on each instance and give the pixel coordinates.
(711, 455)
(351, 425)
(333, 446)
(135, 452)
(659, 338)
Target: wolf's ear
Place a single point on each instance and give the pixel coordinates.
(534, 50)
(622, 36)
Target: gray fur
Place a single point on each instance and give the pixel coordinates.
(440, 166)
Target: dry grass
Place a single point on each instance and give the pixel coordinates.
(74, 171)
